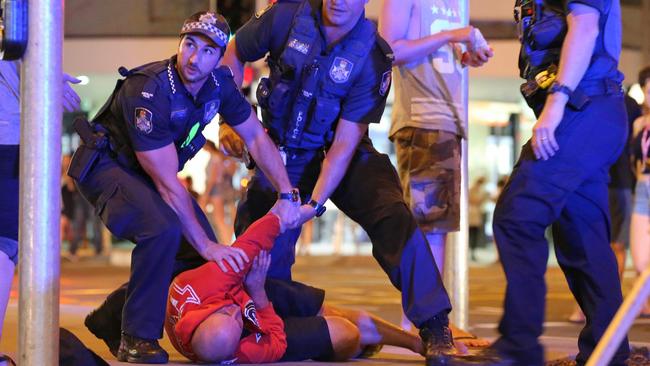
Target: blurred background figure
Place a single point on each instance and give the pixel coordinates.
(306, 238)
(640, 227)
(76, 216)
(188, 183)
(219, 192)
(478, 196)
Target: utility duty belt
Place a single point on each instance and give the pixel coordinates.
(535, 89)
(93, 144)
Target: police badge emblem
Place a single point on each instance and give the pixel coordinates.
(385, 83)
(210, 110)
(299, 46)
(341, 70)
(143, 120)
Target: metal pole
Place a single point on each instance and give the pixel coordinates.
(40, 177)
(645, 45)
(625, 316)
(456, 271)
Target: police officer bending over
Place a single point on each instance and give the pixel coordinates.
(570, 52)
(330, 73)
(150, 126)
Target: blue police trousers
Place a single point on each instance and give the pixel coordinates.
(370, 194)
(131, 208)
(569, 192)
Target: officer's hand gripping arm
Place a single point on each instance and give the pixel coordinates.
(577, 49)
(161, 165)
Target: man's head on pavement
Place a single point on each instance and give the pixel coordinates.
(342, 13)
(204, 37)
(217, 338)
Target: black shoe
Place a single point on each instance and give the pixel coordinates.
(104, 329)
(138, 350)
(438, 344)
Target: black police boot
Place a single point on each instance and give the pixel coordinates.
(104, 328)
(438, 343)
(137, 350)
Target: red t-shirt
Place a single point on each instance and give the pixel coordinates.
(196, 294)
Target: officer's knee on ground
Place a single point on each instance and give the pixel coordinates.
(216, 338)
(345, 338)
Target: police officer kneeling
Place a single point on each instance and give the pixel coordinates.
(570, 52)
(150, 126)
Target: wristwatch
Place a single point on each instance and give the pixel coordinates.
(560, 88)
(293, 195)
(320, 209)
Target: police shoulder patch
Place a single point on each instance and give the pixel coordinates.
(143, 120)
(385, 48)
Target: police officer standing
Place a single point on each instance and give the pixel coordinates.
(330, 73)
(570, 52)
(150, 126)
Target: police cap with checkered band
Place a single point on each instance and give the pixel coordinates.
(212, 25)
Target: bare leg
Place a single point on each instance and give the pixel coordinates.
(344, 336)
(639, 238)
(437, 243)
(619, 252)
(374, 330)
(218, 216)
(6, 277)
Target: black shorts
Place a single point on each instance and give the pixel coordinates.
(299, 305)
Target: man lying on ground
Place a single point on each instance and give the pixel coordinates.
(216, 316)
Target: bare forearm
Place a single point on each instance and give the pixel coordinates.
(334, 167)
(231, 59)
(409, 50)
(180, 201)
(259, 298)
(576, 55)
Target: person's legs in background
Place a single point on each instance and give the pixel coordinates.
(8, 226)
(640, 231)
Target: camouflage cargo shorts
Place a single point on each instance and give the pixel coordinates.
(428, 163)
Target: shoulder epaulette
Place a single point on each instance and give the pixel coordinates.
(385, 48)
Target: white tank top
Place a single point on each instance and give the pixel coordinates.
(428, 92)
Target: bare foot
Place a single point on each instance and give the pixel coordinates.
(464, 340)
(577, 316)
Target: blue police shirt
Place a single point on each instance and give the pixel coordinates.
(150, 121)
(269, 31)
(607, 50)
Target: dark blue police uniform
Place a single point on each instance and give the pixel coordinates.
(567, 191)
(148, 110)
(311, 85)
